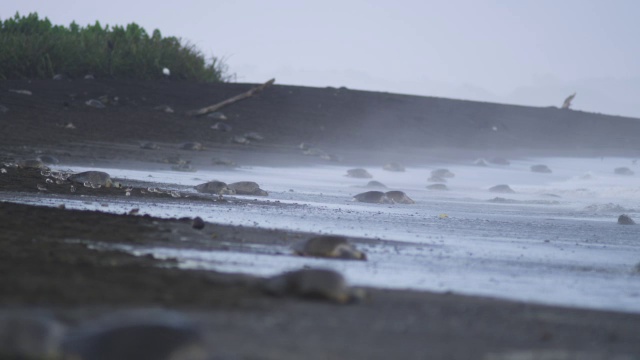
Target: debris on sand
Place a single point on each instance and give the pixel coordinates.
(359, 173)
(328, 246)
(318, 284)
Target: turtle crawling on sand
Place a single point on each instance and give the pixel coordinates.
(502, 188)
(319, 284)
(442, 173)
(376, 184)
(373, 197)
(328, 246)
(93, 178)
(215, 187)
(359, 173)
(247, 188)
(399, 197)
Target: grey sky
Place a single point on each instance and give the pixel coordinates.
(522, 52)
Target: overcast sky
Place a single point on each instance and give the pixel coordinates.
(528, 52)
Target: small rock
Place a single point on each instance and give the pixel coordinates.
(95, 103)
(394, 166)
(625, 220)
(359, 173)
(247, 188)
(221, 126)
(541, 169)
(623, 171)
(195, 146)
(198, 223)
(328, 246)
(439, 187)
(442, 173)
(373, 197)
(399, 197)
(502, 189)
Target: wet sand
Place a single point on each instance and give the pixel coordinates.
(47, 262)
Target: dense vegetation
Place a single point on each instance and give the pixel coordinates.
(31, 47)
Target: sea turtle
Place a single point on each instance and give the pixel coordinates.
(439, 187)
(374, 197)
(394, 166)
(223, 162)
(32, 164)
(625, 220)
(376, 184)
(217, 116)
(313, 152)
(93, 178)
(502, 189)
(320, 284)
(221, 126)
(253, 136)
(149, 145)
(215, 187)
(442, 173)
(328, 246)
(359, 173)
(331, 157)
(499, 161)
(480, 162)
(437, 179)
(238, 139)
(48, 159)
(623, 171)
(540, 169)
(192, 146)
(247, 188)
(399, 197)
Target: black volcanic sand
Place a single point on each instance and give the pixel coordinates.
(58, 260)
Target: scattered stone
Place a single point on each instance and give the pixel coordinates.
(438, 187)
(149, 145)
(541, 169)
(253, 136)
(328, 246)
(89, 77)
(625, 220)
(359, 173)
(95, 103)
(399, 197)
(92, 178)
(48, 159)
(373, 197)
(164, 108)
(195, 146)
(198, 223)
(437, 179)
(239, 139)
(215, 187)
(502, 189)
(3, 109)
(394, 166)
(499, 161)
(33, 336)
(247, 188)
(21, 92)
(217, 116)
(319, 284)
(221, 126)
(480, 162)
(442, 173)
(376, 184)
(623, 171)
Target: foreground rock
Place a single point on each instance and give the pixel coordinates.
(359, 173)
(318, 284)
(247, 188)
(625, 220)
(541, 169)
(329, 247)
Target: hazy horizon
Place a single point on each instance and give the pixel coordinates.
(527, 53)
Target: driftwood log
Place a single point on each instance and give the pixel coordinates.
(220, 105)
